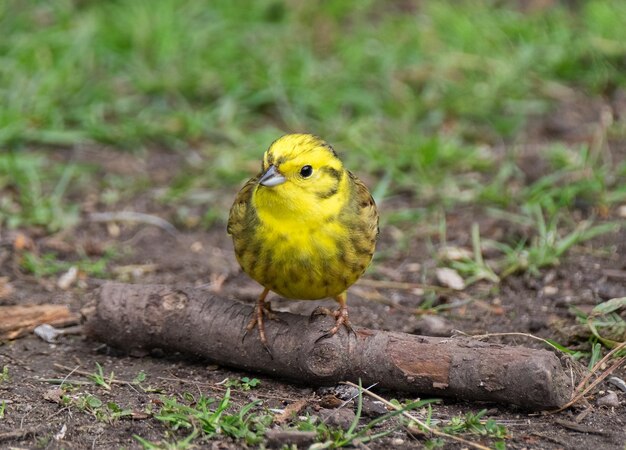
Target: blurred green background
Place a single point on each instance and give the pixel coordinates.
(420, 96)
(379, 75)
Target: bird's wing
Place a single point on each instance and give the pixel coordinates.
(241, 205)
(366, 207)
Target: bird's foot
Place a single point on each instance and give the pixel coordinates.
(341, 319)
(262, 310)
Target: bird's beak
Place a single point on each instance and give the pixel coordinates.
(272, 177)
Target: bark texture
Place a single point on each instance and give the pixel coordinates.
(195, 322)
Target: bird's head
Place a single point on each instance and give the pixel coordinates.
(301, 174)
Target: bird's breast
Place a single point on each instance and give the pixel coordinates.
(307, 262)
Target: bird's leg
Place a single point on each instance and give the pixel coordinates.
(260, 309)
(340, 315)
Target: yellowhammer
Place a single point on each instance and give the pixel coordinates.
(305, 227)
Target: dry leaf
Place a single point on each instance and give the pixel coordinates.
(23, 242)
(291, 410)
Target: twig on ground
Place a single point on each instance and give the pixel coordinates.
(132, 216)
(578, 427)
(21, 433)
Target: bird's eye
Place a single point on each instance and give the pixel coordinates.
(306, 171)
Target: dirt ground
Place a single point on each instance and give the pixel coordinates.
(538, 305)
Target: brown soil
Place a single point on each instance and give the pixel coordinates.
(538, 305)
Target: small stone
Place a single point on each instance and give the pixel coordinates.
(450, 253)
(549, 277)
(610, 400)
(433, 326)
(607, 291)
(46, 332)
(342, 391)
(549, 291)
(113, 229)
(324, 390)
(53, 395)
(285, 438)
(373, 408)
(397, 442)
(618, 382)
(450, 278)
(621, 211)
(68, 278)
(339, 418)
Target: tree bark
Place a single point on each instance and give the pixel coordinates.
(194, 322)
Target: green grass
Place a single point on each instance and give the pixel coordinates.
(210, 418)
(244, 383)
(606, 325)
(34, 192)
(93, 405)
(374, 78)
(100, 378)
(49, 264)
(4, 375)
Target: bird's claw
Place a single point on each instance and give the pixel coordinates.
(341, 319)
(258, 321)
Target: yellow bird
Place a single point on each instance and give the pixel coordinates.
(304, 227)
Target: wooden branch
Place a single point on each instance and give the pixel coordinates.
(195, 322)
(16, 321)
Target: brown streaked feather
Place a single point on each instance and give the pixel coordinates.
(242, 205)
(364, 224)
(366, 207)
